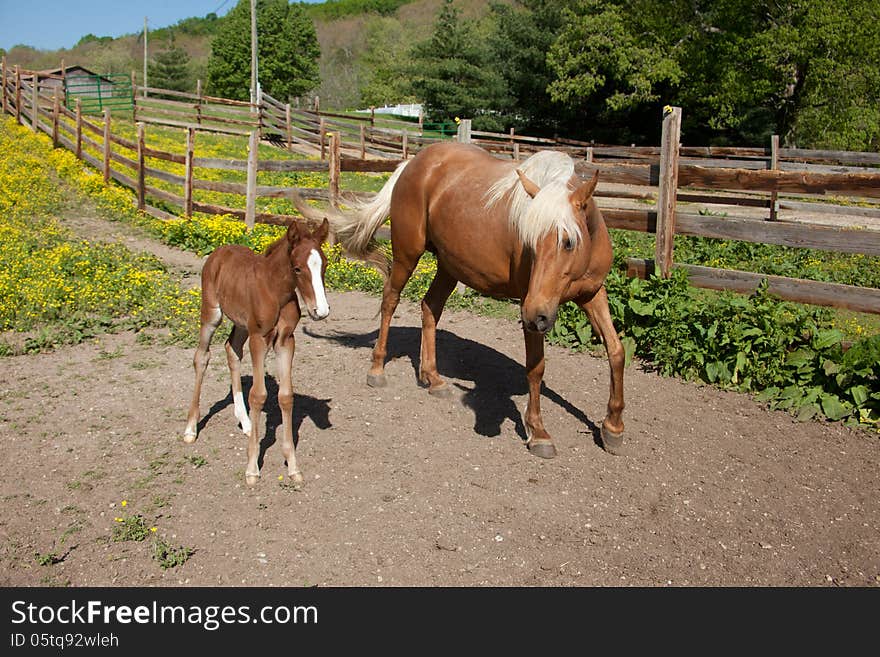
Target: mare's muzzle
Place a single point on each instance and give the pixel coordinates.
(541, 321)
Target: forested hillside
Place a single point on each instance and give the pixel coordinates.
(808, 70)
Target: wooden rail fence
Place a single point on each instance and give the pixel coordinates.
(674, 174)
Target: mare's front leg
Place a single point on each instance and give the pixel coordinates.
(210, 320)
(285, 347)
(432, 308)
(234, 352)
(539, 441)
(256, 399)
(599, 314)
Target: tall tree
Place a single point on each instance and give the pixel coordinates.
(523, 34)
(169, 69)
(453, 74)
(287, 50)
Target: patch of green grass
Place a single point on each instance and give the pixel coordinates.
(130, 528)
(169, 556)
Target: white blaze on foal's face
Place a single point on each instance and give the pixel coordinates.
(322, 308)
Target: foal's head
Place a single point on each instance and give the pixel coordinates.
(561, 256)
(308, 264)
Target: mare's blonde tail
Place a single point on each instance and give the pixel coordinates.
(355, 230)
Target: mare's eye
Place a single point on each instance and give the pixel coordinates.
(297, 270)
(568, 244)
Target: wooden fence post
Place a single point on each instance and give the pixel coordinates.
(17, 94)
(774, 165)
(56, 112)
(317, 104)
(250, 213)
(141, 173)
(464, 132)
(363, 142)
(188, 173)
(3, 67)
(79, 129)
(667, 191)
(512, 141)
(404, 145)
(322, 132)
(106, 145)
(288, 126)
(35, 102)
(199, 102)
(335, 164)
(589, 154)
(421, 122)
(372, 120)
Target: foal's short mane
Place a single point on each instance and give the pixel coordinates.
(533, 218)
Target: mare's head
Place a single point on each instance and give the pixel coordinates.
(308, 264)
(549, 208)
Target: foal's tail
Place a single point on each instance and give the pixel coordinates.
(355, 231)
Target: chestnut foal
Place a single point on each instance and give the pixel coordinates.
(258, 294)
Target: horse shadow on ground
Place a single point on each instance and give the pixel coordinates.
(496, 378)
(304, 406)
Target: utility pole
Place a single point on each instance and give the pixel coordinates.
(254, 77)
(145, 57)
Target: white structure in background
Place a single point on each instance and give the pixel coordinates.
(412, 109)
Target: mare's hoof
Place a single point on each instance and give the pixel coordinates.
(612, 442)
(189, 438)
(376, 380)
(251, 479)
(544, 449)
(443, 391)
(296, 480)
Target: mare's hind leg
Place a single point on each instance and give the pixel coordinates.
(432, 308)
(539, 441)
(256, 399)
(597, 310)
(285, 347)
(401, 269)
(234, 352)
(210, 320)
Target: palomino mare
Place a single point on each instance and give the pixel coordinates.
(258, 294)
(532, 233)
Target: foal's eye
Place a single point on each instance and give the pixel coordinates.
(297, 270)
(568, 244)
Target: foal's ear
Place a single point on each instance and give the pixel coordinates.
(293, 232)
(322, 231)
(582, 194)
(530, 187)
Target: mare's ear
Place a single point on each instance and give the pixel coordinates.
(530, 187)
(582, 194)
(293, 232)
(322, 231)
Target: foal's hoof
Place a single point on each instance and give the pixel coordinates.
(376, 380)
(296, 480)
(612, 442)
(251, 479)
(443, 391)
(544, 449)
(189, 438)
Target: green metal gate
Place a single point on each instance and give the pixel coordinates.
(97, 92)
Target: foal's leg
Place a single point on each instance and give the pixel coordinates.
(285, 347)
(210, 320)
(432, 308)
(539, 441)
(256, 399)
(234, 352)
(401, 269)
(600, 317)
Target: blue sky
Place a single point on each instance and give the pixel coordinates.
(53, 24)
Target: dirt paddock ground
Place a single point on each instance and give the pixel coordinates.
(405, 489)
